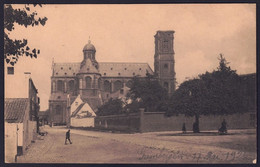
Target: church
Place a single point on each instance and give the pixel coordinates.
(96, 82)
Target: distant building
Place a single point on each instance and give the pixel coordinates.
(81, 114)
(44, 117)
(97, 82)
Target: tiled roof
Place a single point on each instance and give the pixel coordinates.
(124, 69)
(15, 109)
(94, 103)
(88, 67)
(66, 69)
(110, 69)
(77, 110)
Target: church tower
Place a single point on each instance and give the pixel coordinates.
(89, 77)
(164, 60)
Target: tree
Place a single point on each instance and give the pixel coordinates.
(13, 49)
(147, 93)
(215, 93)
(112, 107)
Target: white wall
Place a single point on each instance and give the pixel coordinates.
(20, 134)
(17, 85)
(73, 106)
(82, 122)
(10, 142)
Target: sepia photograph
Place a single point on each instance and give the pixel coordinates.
(130, 83)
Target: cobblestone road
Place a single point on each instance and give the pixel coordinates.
(157, 147)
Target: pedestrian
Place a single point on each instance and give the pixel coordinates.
(223, 128)
(68, 137)
(183, 128)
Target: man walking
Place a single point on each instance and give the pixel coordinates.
(68, 137)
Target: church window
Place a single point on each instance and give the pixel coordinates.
(88, 69)
(57, 73)
(111, 68)
(58, 97)
(74, 73)
(118, 85)
(58, 109)
(165, 66)
(107, 95)
(125, 68)
(61, 68)
(119, 73)
(122, 91)
(166, 85)
(107, 86)
(71, 85)
(105, 73)
(165, 44)
(65, 73)
(88, 82)
(53, 86)
(129, 83)
(133, 73)
(60, 85)
(140, 68)
(99, 83)
(69, 68)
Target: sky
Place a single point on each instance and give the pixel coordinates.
(125, 33)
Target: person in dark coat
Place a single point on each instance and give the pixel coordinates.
(223, 128)
(68, 137)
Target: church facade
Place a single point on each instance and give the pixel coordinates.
(96, 82)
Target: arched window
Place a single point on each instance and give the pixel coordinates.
(107, 86)
(53, 86)
(129, 83)
(165, 66)
(99, 83)
(58, 109)
(71, 85)
(118, 85)
(166, 85)
(88, 82)
(60, 86)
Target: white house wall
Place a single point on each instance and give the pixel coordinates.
(20, 134)
(73, 106)
(86, 107)
(17, 81)
(10, 142)
(82, 122)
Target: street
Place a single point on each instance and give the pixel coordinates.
(239, 146)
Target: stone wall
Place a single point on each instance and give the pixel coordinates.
(157, 121)
(129, 123)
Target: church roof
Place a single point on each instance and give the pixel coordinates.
(66, 69)
(106, 69)
(124, 69)
(89, 46)
(77, 110)
(88, 67)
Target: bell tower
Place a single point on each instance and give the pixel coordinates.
(89, 77)
(164, 60)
